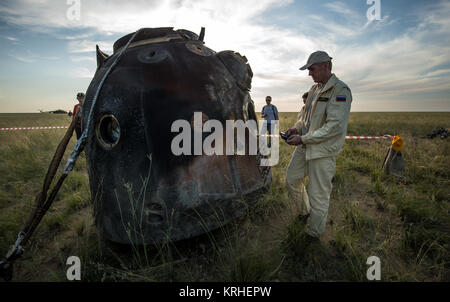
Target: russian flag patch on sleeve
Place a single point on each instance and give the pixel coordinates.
(341, 98)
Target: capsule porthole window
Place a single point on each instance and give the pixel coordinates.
(108, 131)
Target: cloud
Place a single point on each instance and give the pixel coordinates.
(341, 8)
(83, 72)
(229, 24)
(115, 17)
(38, 15)
(51, 58)
(74, 37)
(402, 64)
(30, 57)
(435, 14)
(386, 69)
(83, 46)
(12, 39)
(82, 58)
(436, 73)
(406, 62)
(26, 58)
(379, 24)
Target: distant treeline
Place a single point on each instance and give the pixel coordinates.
(59, 111)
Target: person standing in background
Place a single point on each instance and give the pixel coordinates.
(270, 113)
(77, 113)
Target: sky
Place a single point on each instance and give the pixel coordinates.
(393, 54)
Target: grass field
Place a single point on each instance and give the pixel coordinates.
(404, 222)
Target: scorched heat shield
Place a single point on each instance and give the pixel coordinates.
(142, 193)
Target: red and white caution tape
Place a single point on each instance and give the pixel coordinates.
(33, 128)
(386, 136)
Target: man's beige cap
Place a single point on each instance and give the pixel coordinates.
(316, 57)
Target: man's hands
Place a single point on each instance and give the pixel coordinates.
(291, 131)
(294, 138)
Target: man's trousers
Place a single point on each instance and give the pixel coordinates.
(320, 172)
(268, 129)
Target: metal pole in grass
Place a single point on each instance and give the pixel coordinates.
(41, 203)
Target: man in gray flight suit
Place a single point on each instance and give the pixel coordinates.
(319, 136)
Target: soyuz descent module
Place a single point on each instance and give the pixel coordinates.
(143, 193)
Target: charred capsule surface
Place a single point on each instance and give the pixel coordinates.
(143, 193)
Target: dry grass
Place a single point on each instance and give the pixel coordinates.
(405, 223)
